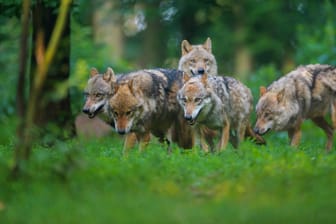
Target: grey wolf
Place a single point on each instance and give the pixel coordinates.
(197, 59)
(97, 92)
(144, 102)
(308, 92)
(217, 103)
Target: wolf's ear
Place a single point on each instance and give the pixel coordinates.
(262, 90)
(281, 95)
(207, 45)
(94, 72)
(131, 86)
(114, 87)
(186, 77)
(109, 75)
(204, 79)
(186, 47)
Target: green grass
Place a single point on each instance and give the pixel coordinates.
(89, 181)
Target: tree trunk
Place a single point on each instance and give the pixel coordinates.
(53, 108)
(154, 38)
(39, 111)
(242, 57)
(107, 29)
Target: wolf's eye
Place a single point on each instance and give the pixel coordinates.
(192, 61)
(198, 100)
(184, 100)
(99, 95)
(115, 114)
(206, 61)
(267, 114)
(128, 113)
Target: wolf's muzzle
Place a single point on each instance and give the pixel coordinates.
(200, 71)
(189, 119)
(260, 131)
(85, 110)
(121, 131)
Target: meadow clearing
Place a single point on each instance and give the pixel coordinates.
(90, 181)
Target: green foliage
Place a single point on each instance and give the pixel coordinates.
(98, 185)
(9, 51)
(318, 45)
(264, 76)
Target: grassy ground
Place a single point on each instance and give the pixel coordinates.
(89, 181)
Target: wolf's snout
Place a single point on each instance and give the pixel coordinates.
(121, 131)
(256, 130)
(188, 117)
(261, 131)
(200, 71)
(85, 110)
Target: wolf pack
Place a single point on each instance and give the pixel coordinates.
(193, 105)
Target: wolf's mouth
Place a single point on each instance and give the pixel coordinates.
(261, 132)
(94, 113)
(91, 115)
(267, 130)
(191, 121)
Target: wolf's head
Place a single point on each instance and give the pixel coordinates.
(193, 96)
(274, 111)
(97, 92)
(125, 106)
(197, 59)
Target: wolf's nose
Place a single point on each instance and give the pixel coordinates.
(85, 110)
(200, 71)
(188, 117)
(256, 130)
(122, 132)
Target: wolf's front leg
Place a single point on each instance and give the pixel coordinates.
(143, 141)
(240, 134)
(130, 140)
(199, 134)
(333, 113)
(294, 135)
(224, 138)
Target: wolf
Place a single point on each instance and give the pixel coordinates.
(308, 92)
(218, 103)
(97, 92)
(197, 59)
(145, 102)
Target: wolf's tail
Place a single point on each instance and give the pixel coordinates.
(258, 139)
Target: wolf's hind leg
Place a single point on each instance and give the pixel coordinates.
(327, 128)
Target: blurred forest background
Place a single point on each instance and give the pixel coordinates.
(254, 40)
(47, 48)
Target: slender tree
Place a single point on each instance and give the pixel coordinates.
(45, 51)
